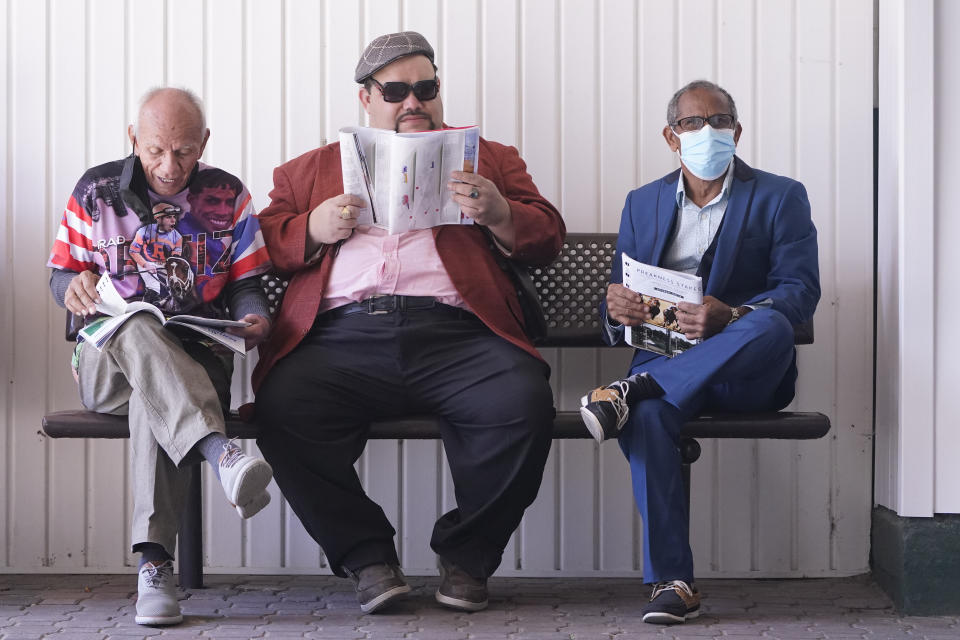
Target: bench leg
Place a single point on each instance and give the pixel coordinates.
(190, 537)
(689, 453)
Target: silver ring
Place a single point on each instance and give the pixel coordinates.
(474, 193)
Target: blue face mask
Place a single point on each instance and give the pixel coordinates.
(707, 153)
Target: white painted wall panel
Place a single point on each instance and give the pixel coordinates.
(888, 289)
(909, 213)
(581, 88)
(303, 50)
(617, 86)
(853, 275)
(66, 511)
(185, 24)
(947, 168)
(815, 166)
(28, 176)
(6, 289)
(580, 194)
(917, 372)
(772, 142)
(540, 146)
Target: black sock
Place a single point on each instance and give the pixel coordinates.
(642, 387)
(153, 553)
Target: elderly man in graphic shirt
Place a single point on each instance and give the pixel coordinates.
(174, 387)
(376, 325)
(748, 234)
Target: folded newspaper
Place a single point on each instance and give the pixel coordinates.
(661, 289)
(403, 176)
(112, 304)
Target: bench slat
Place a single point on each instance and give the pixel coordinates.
(784, 424)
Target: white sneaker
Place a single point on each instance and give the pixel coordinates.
(258, 502)
(157, 595)
(244, 479)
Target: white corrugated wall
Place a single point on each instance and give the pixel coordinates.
(918, 371)
(581, 88)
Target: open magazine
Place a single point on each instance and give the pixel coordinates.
(661, 289)
(403, 176)
(112, 304)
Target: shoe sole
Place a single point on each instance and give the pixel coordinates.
(253, 507)
(460, 604)
(593, 425)
(251, 481)
(158, 620)
(385, 599)
(662, 617)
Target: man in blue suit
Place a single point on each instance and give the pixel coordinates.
(750, 237)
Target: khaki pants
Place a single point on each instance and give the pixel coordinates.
(169, 388)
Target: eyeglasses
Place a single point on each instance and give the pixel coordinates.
(398, 91)
(172, 210)
(695, 123)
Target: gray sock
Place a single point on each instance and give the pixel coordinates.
(211, 448)
(153, 553)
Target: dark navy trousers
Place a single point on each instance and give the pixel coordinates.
(317, 402)
(749, 366)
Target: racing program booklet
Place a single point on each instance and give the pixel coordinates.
(403, 176)
(661, 289)
(112, 304)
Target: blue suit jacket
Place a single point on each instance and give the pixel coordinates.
(766, 246)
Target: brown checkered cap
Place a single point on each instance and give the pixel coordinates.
(385, 49)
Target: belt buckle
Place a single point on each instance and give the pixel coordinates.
(374, 311)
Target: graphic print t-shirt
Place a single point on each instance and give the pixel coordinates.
(99, 231)
(156, 246)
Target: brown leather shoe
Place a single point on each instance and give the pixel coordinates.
(378, 585)
(459, 590)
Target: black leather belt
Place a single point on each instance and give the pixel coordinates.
(379, 305)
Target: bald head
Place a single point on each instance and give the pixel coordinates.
(171, 102)
(169, 137)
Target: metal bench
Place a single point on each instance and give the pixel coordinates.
(570, 291)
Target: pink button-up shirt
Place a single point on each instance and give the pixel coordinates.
(372, 262)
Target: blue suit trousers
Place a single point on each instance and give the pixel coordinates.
(749, 366)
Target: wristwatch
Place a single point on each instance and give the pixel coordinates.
(734, 315)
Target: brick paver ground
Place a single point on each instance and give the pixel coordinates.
(82, 607)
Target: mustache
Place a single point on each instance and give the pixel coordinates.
(415, 113)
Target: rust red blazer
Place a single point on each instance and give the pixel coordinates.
(303, 183)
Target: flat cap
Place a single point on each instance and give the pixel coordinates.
(385, 49)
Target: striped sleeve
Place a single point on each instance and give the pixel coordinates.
(73, 246)
(250, 257)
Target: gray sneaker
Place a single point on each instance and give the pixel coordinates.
(459, 590)
(157, 595)
(378, 585)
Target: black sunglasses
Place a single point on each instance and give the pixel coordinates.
(398, 91)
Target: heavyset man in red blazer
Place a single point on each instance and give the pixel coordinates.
(376, 325)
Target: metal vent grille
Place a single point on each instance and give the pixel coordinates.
(573, 286)
(570, 289)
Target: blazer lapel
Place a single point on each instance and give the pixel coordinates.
(666, 216)
(731, 231)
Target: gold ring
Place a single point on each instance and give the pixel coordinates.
(474, 193)
(345, 213)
